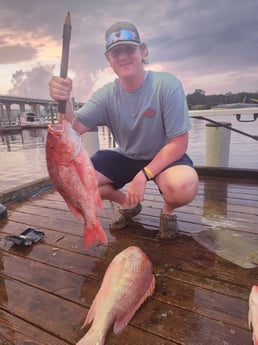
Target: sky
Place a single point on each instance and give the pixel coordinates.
(210, 45)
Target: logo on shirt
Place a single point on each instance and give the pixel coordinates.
(150, 112)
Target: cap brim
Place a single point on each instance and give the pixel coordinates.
(121, 42)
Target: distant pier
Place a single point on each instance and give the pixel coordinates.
(11, 119)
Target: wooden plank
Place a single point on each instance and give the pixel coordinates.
(189, 328)
(231, 173)
(45, 311)
(13, 330)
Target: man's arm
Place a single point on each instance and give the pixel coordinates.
(60, 90)
(171, 152)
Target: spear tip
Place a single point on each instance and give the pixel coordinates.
(68, 19)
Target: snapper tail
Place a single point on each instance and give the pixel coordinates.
(92, 338)
(94, 233)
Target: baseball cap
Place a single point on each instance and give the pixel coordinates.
(121, 33)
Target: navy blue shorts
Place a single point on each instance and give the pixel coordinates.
(121, 169)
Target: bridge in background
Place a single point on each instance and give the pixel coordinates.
(37, 106)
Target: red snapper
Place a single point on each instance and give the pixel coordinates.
(253, 313)
(127, 283)
(73, 176)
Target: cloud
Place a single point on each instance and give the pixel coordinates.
(16, 53)
(32, 83)
(208, 43)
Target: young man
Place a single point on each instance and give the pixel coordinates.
(148, 116)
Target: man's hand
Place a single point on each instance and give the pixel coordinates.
(136, 189)
(60, 89)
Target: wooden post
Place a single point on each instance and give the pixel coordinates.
(217, 144)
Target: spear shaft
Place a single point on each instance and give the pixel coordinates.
(65, 58)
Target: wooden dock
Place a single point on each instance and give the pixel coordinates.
(200, 298)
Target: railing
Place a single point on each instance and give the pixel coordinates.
(231, 127)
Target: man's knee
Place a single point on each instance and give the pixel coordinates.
(179, 184)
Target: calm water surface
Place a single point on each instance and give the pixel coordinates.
(22, 154)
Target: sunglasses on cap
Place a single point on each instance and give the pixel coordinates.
(121, 35)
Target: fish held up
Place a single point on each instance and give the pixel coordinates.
(253, 313)
(73, 175)
(127, 283)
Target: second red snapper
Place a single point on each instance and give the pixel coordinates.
(73, 176)
(127, 283)
(253, 313)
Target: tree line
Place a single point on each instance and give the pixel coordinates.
(199, 100)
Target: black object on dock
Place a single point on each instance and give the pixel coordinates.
(27, 237)
(3, 211)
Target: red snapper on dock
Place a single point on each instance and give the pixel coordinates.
(253, 313)
(128, 282)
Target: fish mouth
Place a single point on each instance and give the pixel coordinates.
(56, 128)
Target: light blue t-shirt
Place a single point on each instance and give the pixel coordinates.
(141, 121)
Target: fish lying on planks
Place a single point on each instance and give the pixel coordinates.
(73, 176)
(253, 313)
(127, 283)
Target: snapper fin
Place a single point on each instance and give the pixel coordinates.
(99, 202)
(250, 325)
(94, 233)
(75, 211)
(122, 322)
(92, 338)
(91, 313)
(101, 295)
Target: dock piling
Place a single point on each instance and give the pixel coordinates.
(217, 144)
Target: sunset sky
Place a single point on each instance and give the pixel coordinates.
(208, 44)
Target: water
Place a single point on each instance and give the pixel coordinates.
(243, 150)
(22, 154)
